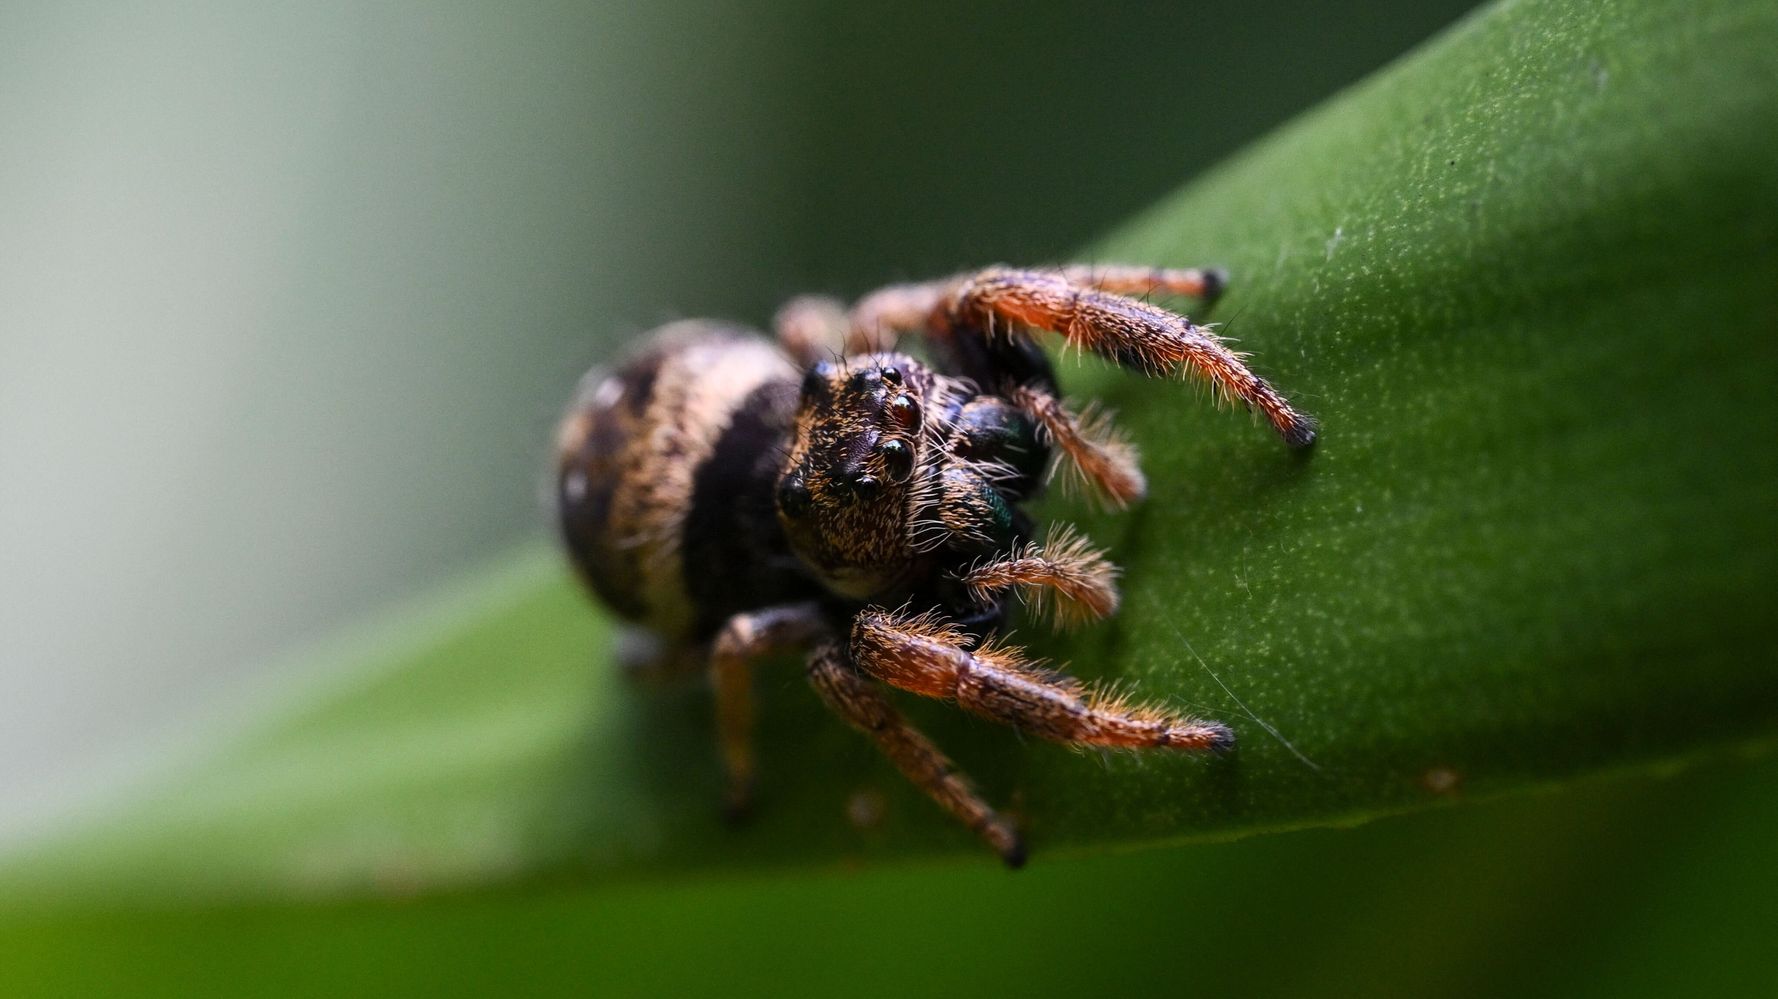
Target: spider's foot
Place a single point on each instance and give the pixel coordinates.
(1216, 281)
(1301, 432)
(1013, 853)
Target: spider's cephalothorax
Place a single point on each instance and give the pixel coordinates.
(832, 493)
(851, 477)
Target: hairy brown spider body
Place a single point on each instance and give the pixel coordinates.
(832, 493)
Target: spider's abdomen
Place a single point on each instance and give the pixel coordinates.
(665, 472)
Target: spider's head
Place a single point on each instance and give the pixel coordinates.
(845, 494)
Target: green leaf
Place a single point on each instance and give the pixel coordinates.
(1525, 279)
(1593, 892)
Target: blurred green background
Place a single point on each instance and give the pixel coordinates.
(289, 302)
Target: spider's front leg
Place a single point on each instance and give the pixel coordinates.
(1088, 306)
(743, 639)
(877, 318)
(928, 656)
(860, 701)
(1206, 284)
(1130, 332)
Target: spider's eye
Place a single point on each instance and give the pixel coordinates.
(904, 410)
(793, 497)
(892, 375)
(815, 382)
(866, 487)
(898, 459)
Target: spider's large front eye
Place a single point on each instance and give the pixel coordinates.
(898, 459)
(904, 410)
(793, 497)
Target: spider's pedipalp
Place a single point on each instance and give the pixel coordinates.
(1066, 577)
(1000, 683)
(860, 701)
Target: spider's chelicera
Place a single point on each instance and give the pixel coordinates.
(738, 498)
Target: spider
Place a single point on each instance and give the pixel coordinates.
(833, 493)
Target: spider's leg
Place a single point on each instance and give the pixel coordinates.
(860, 701)
(1130, 332)
(1065, 576)
(878, 319)
(1203, 283)
(929, 657)
(1095, 448)
(810, 328)
(644, 657)
(744, 638)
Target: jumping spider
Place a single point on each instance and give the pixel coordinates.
(739, 499)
